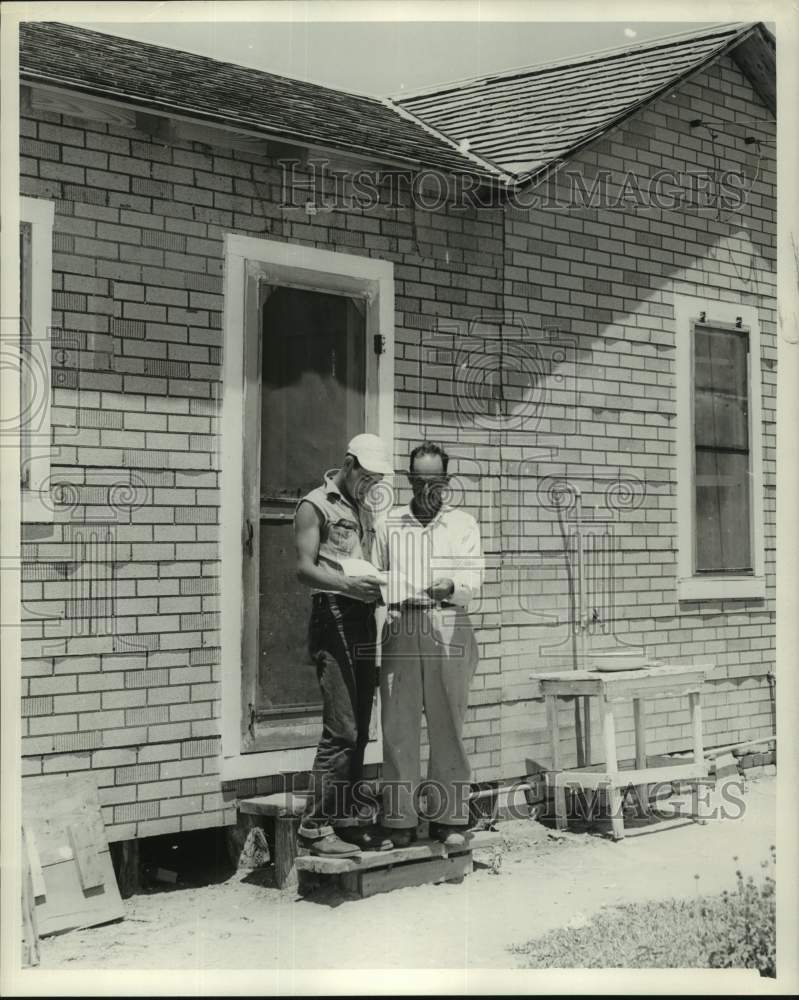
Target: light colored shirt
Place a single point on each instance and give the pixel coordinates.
(346, 532)
(446, 548)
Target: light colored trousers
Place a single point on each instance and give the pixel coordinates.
(428, 660)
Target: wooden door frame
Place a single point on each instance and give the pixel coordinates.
(248, 261)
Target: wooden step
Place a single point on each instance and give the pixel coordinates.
(425, 850)
(277, 804)
(411, 873)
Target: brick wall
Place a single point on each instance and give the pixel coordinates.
(121, 664)
(607, 278)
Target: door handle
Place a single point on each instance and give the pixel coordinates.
(248, 544)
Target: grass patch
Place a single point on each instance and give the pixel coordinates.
(732, 930)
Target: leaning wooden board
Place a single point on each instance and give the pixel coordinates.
(77, 886)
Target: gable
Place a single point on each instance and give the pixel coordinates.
(523, 122)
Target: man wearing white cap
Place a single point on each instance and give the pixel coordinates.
(333, 523)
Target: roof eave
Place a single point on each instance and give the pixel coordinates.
(241, 126)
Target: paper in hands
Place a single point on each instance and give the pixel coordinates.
(395, 586)
(362, 567)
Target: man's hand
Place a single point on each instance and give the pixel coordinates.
(364, 588)
(441, 589)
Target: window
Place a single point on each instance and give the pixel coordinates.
(36, 290)
(719, 430)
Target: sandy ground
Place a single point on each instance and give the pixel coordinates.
(539, 882)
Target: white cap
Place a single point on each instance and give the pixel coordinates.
(372, 454)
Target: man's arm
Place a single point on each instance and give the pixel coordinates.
(462, 575)
(467, 573)
(380, 546)
(309, 572)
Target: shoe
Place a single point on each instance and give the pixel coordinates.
(449, 836)
(401, 837)
(330, 846)
(368, 838)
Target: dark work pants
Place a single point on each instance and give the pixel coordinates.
(342, 643)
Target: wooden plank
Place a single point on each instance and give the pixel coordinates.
(626, 687)
(609, 744)
(370, 859)
(665, 670)
(652, 760)
(30, 953)
(554, 730)
(77, 106)
(695, 706)
(655, 686)
(278, 804)
(67, 907)
(571, 686)
(51, 803)
(37, 878)
(286, 828)
(554, 735)
(373, 881)
(422, 851)
(63, 811)
(639, 716)
(587, 725)
(84, 850)
(621, 779)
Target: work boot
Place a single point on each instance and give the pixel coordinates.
(368, 838)
(330, 846)
(402, 837)
(449, 836)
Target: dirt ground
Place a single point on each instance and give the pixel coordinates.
(535, 882)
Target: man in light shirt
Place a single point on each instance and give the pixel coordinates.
(433, 559)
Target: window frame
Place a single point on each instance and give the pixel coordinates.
(39, 214)
(692, 586)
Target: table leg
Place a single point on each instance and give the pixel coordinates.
(696, 725)
(559, 791)
(695, 708)
(611, 766)
(639, 714)
(587, 720)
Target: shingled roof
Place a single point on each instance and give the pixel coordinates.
(526, 120)
(508, 128)
(165, 80)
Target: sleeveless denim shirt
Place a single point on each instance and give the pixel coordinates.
(345, 532)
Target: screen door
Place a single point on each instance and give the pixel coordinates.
(313, 400)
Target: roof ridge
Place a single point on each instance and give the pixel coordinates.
(588, 57)
(459, 147)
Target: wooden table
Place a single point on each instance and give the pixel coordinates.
(610, 688)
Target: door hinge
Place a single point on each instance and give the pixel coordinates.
(380, 344)
(251, 725)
